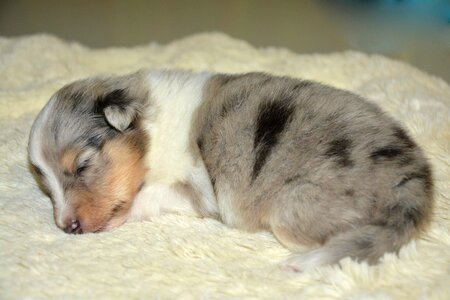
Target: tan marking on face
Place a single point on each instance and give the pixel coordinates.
(109, 196)
(127, 169)
(68, 160)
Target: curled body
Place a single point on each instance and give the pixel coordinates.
(315, 165)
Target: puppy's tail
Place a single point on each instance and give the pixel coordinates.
(368, 242)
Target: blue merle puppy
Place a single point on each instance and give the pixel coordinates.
(315, 165)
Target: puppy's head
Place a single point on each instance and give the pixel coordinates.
(87, 150)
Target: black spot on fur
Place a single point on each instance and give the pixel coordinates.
(385, 152)
(349, 192)
(120, 99)
(117, 97)
(271, 121)
(423, 174)
(400, 134)
(400, 153)
(339, 150)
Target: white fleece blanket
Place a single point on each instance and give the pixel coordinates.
(176, 257)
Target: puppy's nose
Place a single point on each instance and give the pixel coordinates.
(73, 227)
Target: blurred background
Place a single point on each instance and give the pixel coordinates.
(415, 31)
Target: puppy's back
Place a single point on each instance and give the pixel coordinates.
(312, 163)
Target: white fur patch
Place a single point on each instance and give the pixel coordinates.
(37, 158)
(158, 199)
(175, 97)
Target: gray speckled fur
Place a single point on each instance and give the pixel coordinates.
(75, 105)
(333, 169)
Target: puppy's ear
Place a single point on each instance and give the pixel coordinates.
(119, 108)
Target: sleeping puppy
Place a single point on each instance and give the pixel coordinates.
(314, 165)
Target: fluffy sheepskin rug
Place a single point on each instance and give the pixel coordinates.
(182, 257)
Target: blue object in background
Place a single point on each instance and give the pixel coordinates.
(437, 9)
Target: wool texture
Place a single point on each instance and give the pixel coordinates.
(179, 257)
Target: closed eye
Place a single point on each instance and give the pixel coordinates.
(81, 168)
(84, 161)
